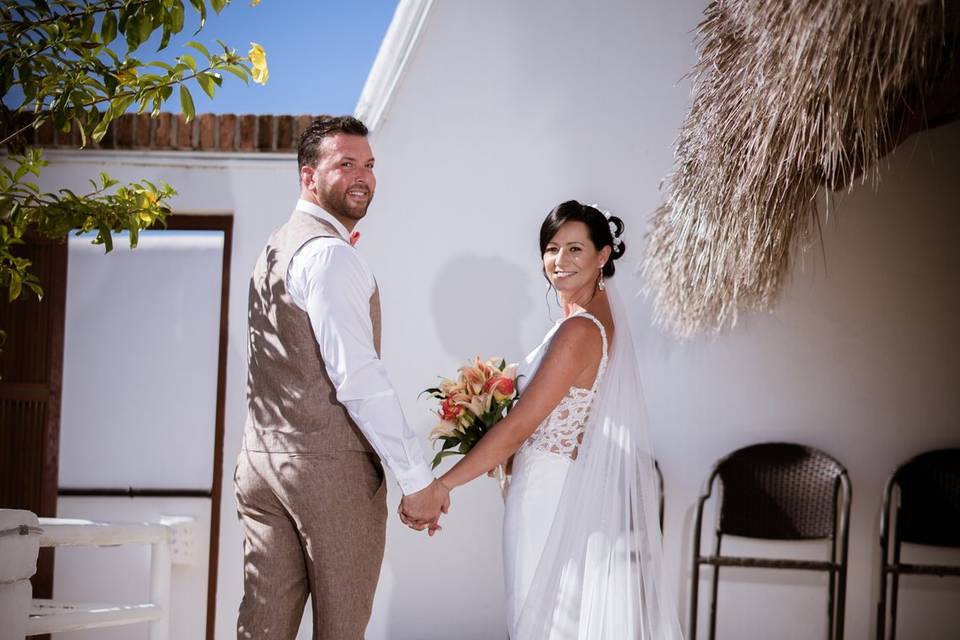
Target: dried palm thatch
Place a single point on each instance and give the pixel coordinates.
(789, 96)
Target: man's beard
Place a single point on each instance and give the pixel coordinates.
(338, 205)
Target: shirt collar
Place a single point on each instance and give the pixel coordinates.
(319, 212)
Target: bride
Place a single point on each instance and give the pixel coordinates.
(581, 536)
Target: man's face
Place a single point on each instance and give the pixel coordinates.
(343, 181)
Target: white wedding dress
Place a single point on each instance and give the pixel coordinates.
(539, 470)
(581, 536)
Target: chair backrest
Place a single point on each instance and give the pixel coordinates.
(779, 491)
(930, 498)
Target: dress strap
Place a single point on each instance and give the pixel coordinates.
(603, 337)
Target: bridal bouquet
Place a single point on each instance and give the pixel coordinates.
(482, 394)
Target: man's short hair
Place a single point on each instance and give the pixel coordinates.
(308, 150)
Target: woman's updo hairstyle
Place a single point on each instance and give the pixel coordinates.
(604, 231)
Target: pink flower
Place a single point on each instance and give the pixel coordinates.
(503, 388)
(450, 410)
(473, 377)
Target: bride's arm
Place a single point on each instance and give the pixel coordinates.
(564, 361)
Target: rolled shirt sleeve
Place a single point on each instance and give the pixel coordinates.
(328, 279)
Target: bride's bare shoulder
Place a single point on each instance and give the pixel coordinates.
(579, 334)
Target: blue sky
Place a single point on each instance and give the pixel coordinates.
(319, 53)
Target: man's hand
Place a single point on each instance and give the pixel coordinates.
(421, 510)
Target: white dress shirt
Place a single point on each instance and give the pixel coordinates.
(329, 280)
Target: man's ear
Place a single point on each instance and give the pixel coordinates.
(306, 177)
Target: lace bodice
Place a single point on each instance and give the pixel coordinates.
(562, 431)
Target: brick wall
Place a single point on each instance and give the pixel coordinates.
(168, 131)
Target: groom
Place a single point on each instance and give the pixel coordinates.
(321, 411)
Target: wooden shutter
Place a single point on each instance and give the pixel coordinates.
(31, 372)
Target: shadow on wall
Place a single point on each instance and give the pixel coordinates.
(477, 304)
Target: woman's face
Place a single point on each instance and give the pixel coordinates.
(570, 260)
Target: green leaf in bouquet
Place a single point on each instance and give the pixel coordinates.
(449, 443)
(440, 456)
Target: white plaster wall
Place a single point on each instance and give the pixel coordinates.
(509, 108)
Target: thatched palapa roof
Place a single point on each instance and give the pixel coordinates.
(789, 97)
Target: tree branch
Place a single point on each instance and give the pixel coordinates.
(128, 94)
(76, 14)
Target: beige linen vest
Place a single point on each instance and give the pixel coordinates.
(292, 406)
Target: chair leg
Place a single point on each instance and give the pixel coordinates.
(894, 589)
(882, 603)
(841, 602)
(713, 595)
(884, 575)
(694, 597)
(895, 586)
(832, 591)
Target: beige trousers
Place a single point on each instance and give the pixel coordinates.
(313, 524)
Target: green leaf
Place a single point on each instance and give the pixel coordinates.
(186, 103)
(86, 28)
(165, 39)
(104, 237)
(239, 71)
(120, 104)
(199, 47)
(176, 17)
(61, 120)
(218, 5)
(101, 129)
(440, 456)
(83, 134)
(206, 83)
(16, 283)
(108, 30)
(106, 181)
(146, 27)
(188, 60)
(134, 29)
(201, 7)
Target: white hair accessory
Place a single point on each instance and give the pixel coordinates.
(613, 226)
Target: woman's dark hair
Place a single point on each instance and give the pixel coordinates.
(598, 226)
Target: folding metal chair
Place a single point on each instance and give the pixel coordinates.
(778, 491)
(926, 511)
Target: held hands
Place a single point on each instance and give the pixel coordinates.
(421, 510)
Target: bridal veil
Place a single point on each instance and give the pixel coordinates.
(600, 576)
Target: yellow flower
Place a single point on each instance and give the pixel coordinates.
(254, 3)
(258, 58)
